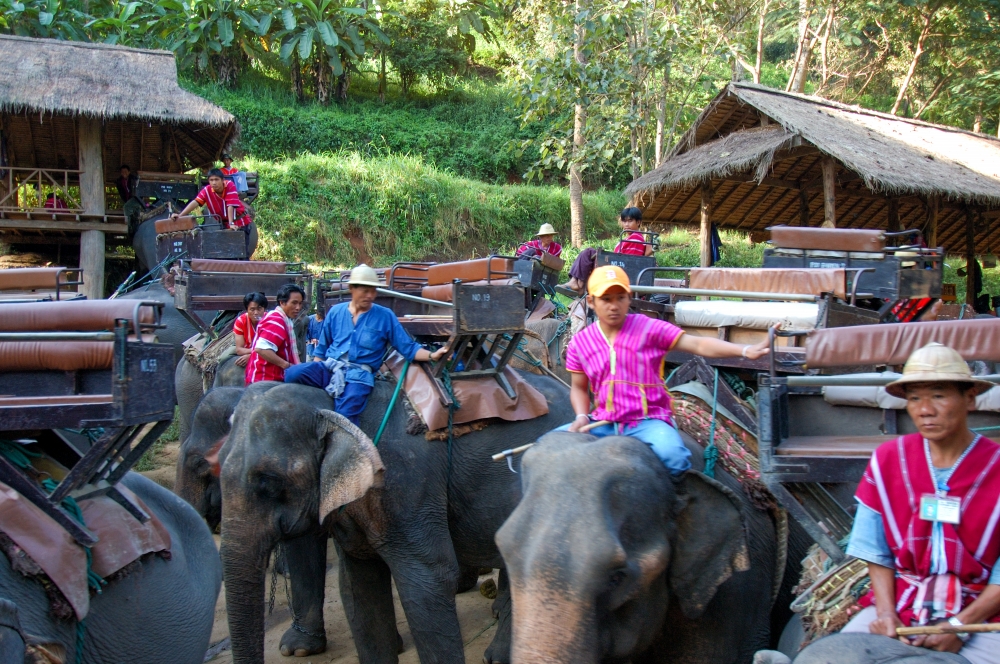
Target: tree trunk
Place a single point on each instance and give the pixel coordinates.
(760, 41)
(705, 236)
(925, 31)
(977, 125)
(381, 77)
(578, 231)
(322, 81)
(297, 77)
(661, 114)
(343, 83)
(633, 139)
(800, 72)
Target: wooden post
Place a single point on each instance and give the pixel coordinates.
(706, 224)
(829, 195)
(932, 218)
(970, 258)
(92, 200)
(892, 213)
(803, 208)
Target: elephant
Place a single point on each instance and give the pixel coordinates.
(144, 243)
(196, 482)
(861, 648)
(411, 511)
(611, 559)
(162, 611)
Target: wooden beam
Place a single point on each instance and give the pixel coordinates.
(970, 258)
(829, 193)
(753, 208)
(791, 195)
(803, 208)
(706, 224)
(71, 226)
(892, 223)
(717, 206)
(92, 247)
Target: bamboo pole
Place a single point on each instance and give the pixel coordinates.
(706, 224)
(829, 192)
(947, 628)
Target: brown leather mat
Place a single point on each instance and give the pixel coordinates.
(771, 280)
(480, 398)
(831, 446)
(169, 225)
(668, 283)
(55, 355)
(443, 292)
(243, 267)
(892, 343)
(62, 400)
(31, 278)
(73, 316)
(122, 539)
(474, 270)
(827, 239)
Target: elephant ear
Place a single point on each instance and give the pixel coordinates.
(711, 542)
(351, 464)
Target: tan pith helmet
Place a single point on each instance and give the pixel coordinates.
(546, 229)
(362, 275)
(935, 363)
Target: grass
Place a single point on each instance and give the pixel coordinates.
(148, 460)
(335, 209)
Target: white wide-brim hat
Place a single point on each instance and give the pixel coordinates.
(362, 275)
(935, 363)
(546, 229)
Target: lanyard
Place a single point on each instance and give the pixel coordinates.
(939, 555)
(611, 347)
(942, 488)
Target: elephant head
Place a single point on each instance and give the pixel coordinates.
(289, 462)
(602, 540)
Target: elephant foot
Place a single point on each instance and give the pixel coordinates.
(497, 654)
(298, 643)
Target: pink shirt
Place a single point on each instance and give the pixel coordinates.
(632, 245)
(554, 248)
(632, 388)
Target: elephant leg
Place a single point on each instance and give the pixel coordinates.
(499, 650)
(366, 592)
(11, 636)
(468, 578)
(305, 557)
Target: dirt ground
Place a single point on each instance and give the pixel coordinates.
(474, 613)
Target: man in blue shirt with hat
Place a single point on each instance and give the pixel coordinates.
(352, 344)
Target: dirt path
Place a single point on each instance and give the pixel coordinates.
(474, 610)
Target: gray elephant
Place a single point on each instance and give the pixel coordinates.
(294, 471)
(197, 482)
(611, 559)
(162, 611)
(178, 329)
(144, 243)
(860, 648)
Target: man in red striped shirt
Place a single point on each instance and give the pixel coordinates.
(221, 200)
(274, 348)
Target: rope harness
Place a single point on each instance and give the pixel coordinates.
(711, 454)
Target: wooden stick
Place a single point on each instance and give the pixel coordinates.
(947, 628)
(500, 456)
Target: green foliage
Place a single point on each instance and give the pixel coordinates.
(421, 43)
(311, 207)
(472, 131)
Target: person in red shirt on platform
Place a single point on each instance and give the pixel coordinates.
(274, 348)
(544, 242)
(245, 325)
(227, 169)
(222, 201)
(634, 244)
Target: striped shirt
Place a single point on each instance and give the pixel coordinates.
(244, 327)
(627, 381)
(273, 334)
(632, 245)
(217, 205)
(554, 248)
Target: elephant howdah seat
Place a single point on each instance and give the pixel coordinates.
(186, 238)
(40, 284)
(92, 366)
(814, 446)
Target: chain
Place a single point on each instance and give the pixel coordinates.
(279, 555)
(274, 579)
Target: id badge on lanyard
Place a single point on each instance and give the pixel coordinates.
(945, 509)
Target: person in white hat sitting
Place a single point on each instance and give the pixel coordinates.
(544, 242)
(927, 518)
(351, 345)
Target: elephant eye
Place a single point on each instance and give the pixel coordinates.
(617, 578)
(270, 485)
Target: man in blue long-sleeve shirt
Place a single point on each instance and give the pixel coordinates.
(357, 332)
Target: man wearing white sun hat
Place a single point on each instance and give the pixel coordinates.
(544, 242)
(351, 345)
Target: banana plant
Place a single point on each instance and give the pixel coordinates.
(44, 18)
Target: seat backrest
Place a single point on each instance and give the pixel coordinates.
(32, 278)
(444, 292)
(827, 239)
(73, 315)
(56, 356)
(169, 225)
(803, 281)
(472, 270)
(892, 343)
(244, 267)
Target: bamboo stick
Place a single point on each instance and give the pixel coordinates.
(947, 628)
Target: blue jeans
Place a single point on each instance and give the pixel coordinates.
(351, 402)
(659, 435)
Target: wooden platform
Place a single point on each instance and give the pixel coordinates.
(62, 221)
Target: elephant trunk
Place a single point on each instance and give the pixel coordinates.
(245, 551)
(551, 627)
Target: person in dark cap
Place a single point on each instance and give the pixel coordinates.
(227, 169)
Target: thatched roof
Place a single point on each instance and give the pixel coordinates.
(45, 79)
(762, 148)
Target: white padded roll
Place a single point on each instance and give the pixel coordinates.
(753, 315)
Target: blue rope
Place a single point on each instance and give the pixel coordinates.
(392, 403)
(446, 381)
(712, 452)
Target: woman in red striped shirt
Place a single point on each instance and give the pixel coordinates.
(245, 325)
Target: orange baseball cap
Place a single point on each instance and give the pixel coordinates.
(605, 277)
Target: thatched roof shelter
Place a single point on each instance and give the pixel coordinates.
(149, 122)
(757, 157)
